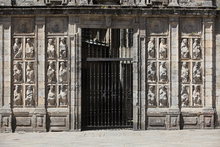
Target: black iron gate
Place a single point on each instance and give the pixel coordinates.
(106, 79)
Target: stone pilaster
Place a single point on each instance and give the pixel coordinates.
(174, 80)
(217, 73)
(5, 78)
(142, 70)
(173, 3)
(74, 34)
(136, 100)
(208, 54)
(40, 26)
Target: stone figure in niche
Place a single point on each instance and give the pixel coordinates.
(51, 73)
(163, 96)
(151, 48)
(17, 48)
(151, 71)
(185, 72)
(51, 98)
(163, 49)
(151, 96)
(184, 96)
(197, 101)
(184, 49)
(29, 49)
(51, 49)
(63, 95)
(29, 99)
(63, 48)
(17, 74)
(197, 72)
(30, 72)
(196, 49)
(17, 96)
(163, 72)
(63, 72)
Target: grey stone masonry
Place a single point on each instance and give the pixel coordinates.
(175, 57)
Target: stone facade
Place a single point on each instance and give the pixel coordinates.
(175, 57)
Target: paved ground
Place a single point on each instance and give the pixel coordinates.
(114, 138)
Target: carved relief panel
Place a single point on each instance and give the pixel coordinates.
(57, 71)
(24, 64)
(158, 63)
(191, 65)
(57, 63)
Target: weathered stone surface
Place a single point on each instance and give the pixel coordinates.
(175, 59)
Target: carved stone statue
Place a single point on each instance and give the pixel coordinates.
(196, 49)
(151, 48)
(51, 73)
(51, 98)
(63, 95)
(51, 52)
(17, 96)
(197, 101)
(63, 48)
(163, 72)
(151, 96)
(63, 72)
(184, 49)
(17, 74)
(29, 49)
(185, 73)
(197, 72)
(184, 96)
(30, 73)
(163, 49)
(163, 96)
(151, 71)
(17, 48)
(29, 99)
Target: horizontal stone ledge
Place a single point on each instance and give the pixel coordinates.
(105, 11)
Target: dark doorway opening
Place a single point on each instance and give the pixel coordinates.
(107, 78)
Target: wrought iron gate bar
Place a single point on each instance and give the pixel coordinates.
(108, 59)
(106, 79)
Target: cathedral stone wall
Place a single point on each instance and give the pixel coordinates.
(175, 59)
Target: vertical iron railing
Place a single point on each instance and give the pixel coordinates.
(107, 78)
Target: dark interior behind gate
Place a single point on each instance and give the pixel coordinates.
(107, 78)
